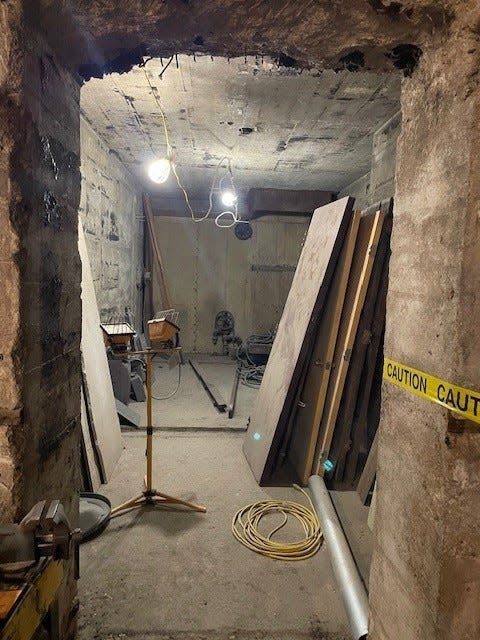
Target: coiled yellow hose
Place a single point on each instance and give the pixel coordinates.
(246, 521)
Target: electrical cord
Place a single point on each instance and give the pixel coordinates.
(250, 373)
(251, 376)
(245, 528)
(236, 219)
(170, 395)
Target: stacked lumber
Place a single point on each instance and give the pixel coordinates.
(318, 404)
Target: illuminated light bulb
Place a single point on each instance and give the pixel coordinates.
(229, 198)
(159, 170)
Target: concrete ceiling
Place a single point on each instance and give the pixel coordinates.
(309, 130)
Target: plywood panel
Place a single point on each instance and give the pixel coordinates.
(96, 375)
(178, 242)
(277, 243)
(304, 303)
(265, 284)
(238, 278)
(309, 412)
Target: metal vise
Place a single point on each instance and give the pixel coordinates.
(44, 532)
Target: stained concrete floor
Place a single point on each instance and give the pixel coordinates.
(161, 575)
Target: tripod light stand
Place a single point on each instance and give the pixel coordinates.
(151, 496)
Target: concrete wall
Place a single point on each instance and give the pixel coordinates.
(425, 576)
(379, 183)
(208, 270)
(40, 270)
(111, 212)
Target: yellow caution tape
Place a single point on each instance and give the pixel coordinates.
(463, 401)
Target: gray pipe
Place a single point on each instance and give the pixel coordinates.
(352, 589)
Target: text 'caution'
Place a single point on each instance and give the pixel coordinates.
(463, 401)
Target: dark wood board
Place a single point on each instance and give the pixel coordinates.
(92, 471)
(308, 411)
(294, 336)
(367, 416)
(371, 387)
(365, 251)
(367, 410)
(369, 333)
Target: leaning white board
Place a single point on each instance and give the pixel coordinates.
(99, 396)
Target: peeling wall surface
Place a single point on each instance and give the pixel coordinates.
(10, 382)
(41, 308)
(112, 213)
(355, 35)
(209, 270)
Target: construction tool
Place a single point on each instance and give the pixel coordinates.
(32, 555)
(213, 393)
(44, 532)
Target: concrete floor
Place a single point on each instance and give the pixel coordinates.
(191, 408)
(164, 575)
(160, 574)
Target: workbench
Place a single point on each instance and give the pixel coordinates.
(25, 601)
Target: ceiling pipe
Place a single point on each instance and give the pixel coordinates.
(352, 589)
(284, 202)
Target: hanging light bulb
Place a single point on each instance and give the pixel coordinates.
(159, 170)
(229, 198)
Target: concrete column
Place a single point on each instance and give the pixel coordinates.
(40, 306)
(9, 276)
(425, 577)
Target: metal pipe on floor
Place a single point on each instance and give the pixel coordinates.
(352, 589)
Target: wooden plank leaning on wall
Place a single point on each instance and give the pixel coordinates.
(365, 251)
(295, 334)
(311, 402)
(164, 291)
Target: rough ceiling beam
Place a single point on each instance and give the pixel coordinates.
(352, 34)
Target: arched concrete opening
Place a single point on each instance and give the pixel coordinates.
(425, 576)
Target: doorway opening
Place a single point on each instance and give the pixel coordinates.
(285, 141)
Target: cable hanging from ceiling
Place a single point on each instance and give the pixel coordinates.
(160, 170)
